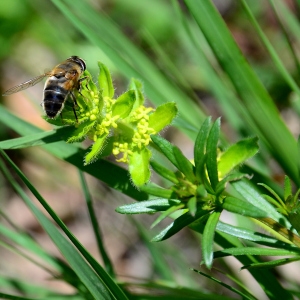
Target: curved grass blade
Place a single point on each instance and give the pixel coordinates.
(96, 228)
(271, 264)
(277, 61)
(245, 296)
(86, 274)
(254, 251)
(102, 169)
(108, 284)
(26, 242)
(38, 139)
(181, 222)
(254, 97)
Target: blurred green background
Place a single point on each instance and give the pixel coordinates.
(37, 35)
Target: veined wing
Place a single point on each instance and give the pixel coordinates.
(26, 84)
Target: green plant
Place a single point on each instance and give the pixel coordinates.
(193, 193)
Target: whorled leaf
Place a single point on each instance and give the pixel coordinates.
(139, 169)
(236, 155)
(163, 116)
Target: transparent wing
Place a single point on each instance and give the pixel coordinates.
(26, 84)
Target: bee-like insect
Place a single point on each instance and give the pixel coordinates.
(61, 82)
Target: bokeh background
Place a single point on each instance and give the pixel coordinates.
(34, 37)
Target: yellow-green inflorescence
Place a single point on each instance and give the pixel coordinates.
(123, 123)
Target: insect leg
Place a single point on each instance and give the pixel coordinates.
(62, 120)
(75, 103)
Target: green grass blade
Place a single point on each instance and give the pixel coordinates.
(254, 97)
(245, 296)
(255, 251)
(157, 255)
(102, 169)
(276, 59)
(271, 264)
(87, 276)
(26, 242)
(12, 297)
(96, 227)
(266, 279)
(37, 139)
(110, 285)
(178, 224)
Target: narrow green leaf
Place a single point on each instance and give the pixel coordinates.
(265, 118)
(38, 139)
(192, 206)
(184, 165)
(113, 287)
(12, 297)
(124, 104)
(163, 116)
(155, 190)
(211, 150)
(137, 86)
(208, 238)
(181, 222)
(25, 241)
(157, 253)
(88, 277)
(242, 207)
(246, 191)
(236, 155)
(272, 192)
(105, 81)
(271, 264)
(268, 45)
(279, 231)
(245, 296)
(287, 187)
(199, 148)
(166, 148)
(250, 235)
(167, 213)
(229, 178)
(164, 172)
(96, 150)
(96, 226)
(294, 218)
(79, 134)
(149, 206)
(139, 166)
(254, 251)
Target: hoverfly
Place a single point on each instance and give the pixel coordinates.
(62, 80)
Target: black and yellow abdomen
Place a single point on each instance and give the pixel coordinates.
(54, 96)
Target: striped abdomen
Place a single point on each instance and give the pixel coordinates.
(54, 96)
